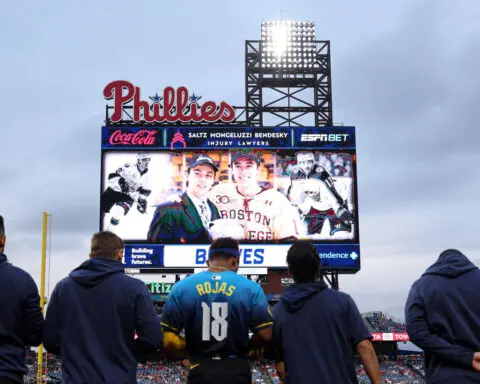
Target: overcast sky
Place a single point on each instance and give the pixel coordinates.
(405, 73)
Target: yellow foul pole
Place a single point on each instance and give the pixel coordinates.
(42, 293)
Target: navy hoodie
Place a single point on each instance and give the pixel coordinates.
(21, 319)
(315, 331)
(443, 318)
(91, 321)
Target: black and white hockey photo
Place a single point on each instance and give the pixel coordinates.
(127, 200)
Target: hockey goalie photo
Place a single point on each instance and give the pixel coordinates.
(321, 189)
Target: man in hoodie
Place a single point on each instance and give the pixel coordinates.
(317, 328)
(94, 314)
(443, 318)
(21, 318)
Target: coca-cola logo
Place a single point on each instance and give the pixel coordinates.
(143, 137)
(177, 106)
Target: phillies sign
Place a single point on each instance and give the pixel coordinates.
(176, 105)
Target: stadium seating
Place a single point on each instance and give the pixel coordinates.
(416, 362)
(381, 322)
(408, 369)
(170, 372)
(392, 372)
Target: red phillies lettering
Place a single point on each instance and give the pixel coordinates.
(114, 90)
(175, 103)
(142, 137)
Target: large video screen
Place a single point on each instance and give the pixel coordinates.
(168, 192)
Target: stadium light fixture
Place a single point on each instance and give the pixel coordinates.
(288, 44)
(280, 39)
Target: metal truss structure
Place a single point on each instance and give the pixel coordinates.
(273, 96)
(330, 278)
(288, 96)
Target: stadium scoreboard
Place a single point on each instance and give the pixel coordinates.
(265, 186)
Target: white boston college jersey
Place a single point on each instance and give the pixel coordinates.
(266, 216)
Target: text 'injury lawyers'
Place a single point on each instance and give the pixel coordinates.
(246, 139)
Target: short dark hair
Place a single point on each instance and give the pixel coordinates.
(2, 226)
(105, 244)
(224, 248)
(303, 261)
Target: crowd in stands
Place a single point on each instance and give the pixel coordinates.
(393, 372)
(416, 362)
(171, 372)
(408, 369)
(382, 322)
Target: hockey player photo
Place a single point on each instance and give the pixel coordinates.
(131, 190)
(320, 217)
(326, 213)
(128, 185)
(264, 213)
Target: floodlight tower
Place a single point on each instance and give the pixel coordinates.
(288, 76)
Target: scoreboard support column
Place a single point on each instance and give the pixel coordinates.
(331, 278)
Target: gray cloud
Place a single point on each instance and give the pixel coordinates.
(413, 98)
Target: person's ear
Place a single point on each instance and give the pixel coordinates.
(208, 263)
(235, 264)
(119, 255)
(290, 271)
(3, 241)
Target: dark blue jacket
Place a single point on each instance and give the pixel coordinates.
(91, 322)
(21, 319)
(315, 331)
(443, 318)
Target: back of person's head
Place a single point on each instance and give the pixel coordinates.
(106, 244)
(449, 252)
(224, 250)
(2, 234)
(303, 261)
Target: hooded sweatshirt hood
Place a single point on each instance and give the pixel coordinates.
(451, 263)
(94, 271)
(296, 295)
(3, 260)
